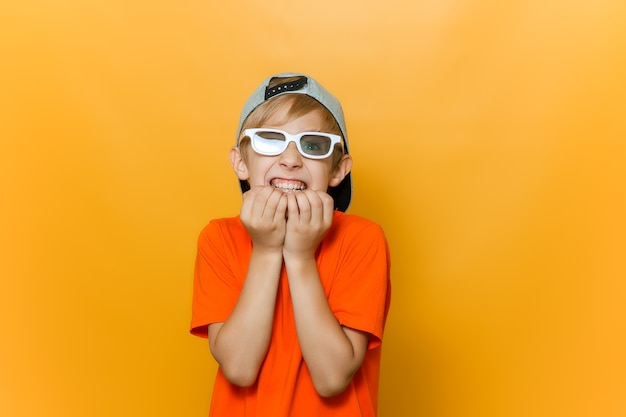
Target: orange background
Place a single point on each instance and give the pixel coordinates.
(489, 140)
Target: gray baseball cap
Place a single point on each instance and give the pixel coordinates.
(342, 193)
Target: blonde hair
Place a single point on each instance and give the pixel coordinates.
(297, 105)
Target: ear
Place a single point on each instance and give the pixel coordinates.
(238, 164)
(343, 169)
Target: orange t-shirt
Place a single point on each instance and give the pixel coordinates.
(353, 263)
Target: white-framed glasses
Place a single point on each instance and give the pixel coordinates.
(272, 142)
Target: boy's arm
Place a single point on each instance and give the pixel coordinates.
(333, 353)
(240, 344)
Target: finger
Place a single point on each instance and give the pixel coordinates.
(321, 207)
(247, 203)
(328, 208)
(280, 211)
(304, 205)
(254, 205)
(292, 208)
(247, 206)
(272, 201)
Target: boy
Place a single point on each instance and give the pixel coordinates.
(293, 293)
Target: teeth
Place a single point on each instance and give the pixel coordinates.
(289, 185)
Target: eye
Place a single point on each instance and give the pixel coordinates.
(311, 146)
(315, 145)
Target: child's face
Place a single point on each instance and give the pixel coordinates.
(290, 170)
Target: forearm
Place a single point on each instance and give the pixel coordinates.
(239, 344)
(331, 355)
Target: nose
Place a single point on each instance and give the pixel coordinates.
(290, 158)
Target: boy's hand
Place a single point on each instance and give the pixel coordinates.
(310, 215)
(263, 213)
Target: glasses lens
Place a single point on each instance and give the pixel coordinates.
(315, 145)
(269, 143)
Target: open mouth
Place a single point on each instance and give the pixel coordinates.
(287, 186)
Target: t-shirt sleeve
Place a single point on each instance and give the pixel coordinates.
(215, 286)
(361, 295)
